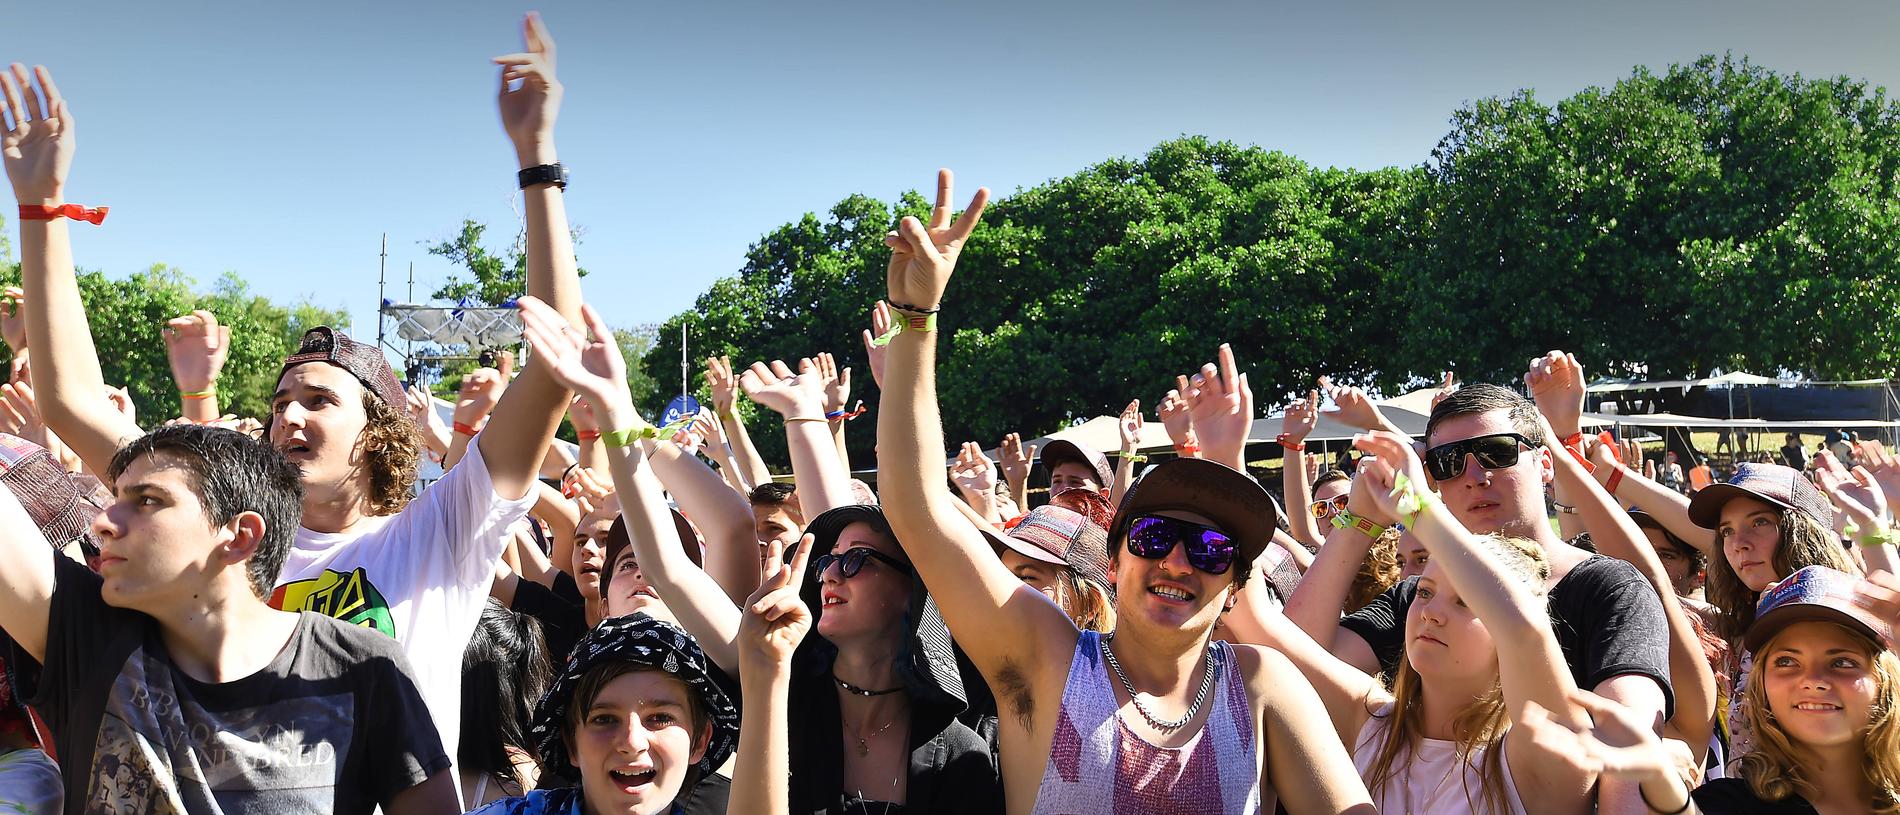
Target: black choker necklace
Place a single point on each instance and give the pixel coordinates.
(857, 691)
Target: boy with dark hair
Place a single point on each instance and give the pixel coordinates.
(167, 681)
(775, 513)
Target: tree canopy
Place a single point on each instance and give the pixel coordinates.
(1715, 216)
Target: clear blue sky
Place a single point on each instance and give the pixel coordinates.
(281, 140)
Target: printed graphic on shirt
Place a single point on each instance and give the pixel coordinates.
(161, 752)
(347, 596)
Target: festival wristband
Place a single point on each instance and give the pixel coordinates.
(1135, 457)
(207, 393)
(1873, 538)
(920, 323)
(1574, 444)
(623, 438)
(1412, 502)
(1188, 450)
(48, 212)
(468, 429)
(587, 435)
(1295, 446)
(846, 415)
(1347, 520)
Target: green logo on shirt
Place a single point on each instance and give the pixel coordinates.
(347, 596)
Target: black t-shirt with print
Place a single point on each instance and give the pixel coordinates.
(1731, 796)
(333, 724)
(1608, 621)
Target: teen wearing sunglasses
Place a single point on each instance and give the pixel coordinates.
(874, 697)
(1156, 718)
(1485, 454)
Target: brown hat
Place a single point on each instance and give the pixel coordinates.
(325, 344)
(1784, 487)
(1233, 500)
(1062, 450)
(1061, 537)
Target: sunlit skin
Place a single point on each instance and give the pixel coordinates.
(1040, 576)
(590, 551)
(869, 606)
(1750, 532)
(1069, 475)
(1412, 556)
(1137, 580)
(1503, 501)
(628, 590)
(1682, 577)
(157, 547)
(1820, 684)
(1444, 640)
(635, 743)
(1332, 489)
(317, 419)
(771, 524)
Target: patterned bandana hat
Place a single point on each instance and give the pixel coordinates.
(641, 640)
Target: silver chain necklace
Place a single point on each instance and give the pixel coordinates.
(1200, 696)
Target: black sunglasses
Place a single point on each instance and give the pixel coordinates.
(1447, 461)
(1152, 537)
(852, 562)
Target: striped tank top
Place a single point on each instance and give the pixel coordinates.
(1097, 765)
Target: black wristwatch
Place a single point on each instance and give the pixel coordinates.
(543, 174)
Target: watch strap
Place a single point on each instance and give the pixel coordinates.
(543, 174)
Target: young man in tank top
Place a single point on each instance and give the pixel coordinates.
(1158, 718)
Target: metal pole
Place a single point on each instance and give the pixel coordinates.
(683, 365)
(382, 269)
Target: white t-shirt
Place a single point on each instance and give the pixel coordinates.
(421, 576)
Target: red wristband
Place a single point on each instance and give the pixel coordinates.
(1188, 449)
(1615, 479)
(1295, 446)
(468, 430)
(587, 435)
(48, 212)
(1574, 444)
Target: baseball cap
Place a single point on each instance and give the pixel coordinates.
(1061, 450)
(1813, 594)
(325, 344)
(1089, 503)
(1784, 487)
(1233, 500)
(1062, 537)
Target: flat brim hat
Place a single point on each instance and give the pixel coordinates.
(365, 362)
(1235, 503)
(1784, 487)
(618, 540)
(1061, 450)
(1813, 594)
(1060, 537)
(645, 641)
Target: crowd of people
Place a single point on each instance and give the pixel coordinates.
(1505, 616)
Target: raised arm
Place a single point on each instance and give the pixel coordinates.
(197, 346)
(38, 150)
(1015, 465)
(837, 387)
(750, 466)
(593, 366)
(1321, 595)
(998, 618)
(1668, 507)
(1859, 500)
(531, 408)
(1221, 404)
(482, 389)
(421, 406)
(1356, 408)
(1301, 417)
(26, 584)
(776, 621)
(1175, 418)
(823, 481)
(722, 515)
(1129, 428)
(975, 477)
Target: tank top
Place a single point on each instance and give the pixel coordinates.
(1098, 766)
(1431, 780)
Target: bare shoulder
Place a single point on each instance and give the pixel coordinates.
(1264, 669)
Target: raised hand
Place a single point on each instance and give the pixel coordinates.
(589, 364)
(1130, 427)
(121, 401)
(776, 620)
(1445, 390)
(837, 383)
(880, 325)
(481, 391)
(1854, 493)
(19, 414)
(1221, 403)
(973, 471)
(723, 385)
(923, 257)
(590, 490)
(1615, 742)
(1301, 417)
(582, 415)
(1555, 381)
(13, 318)
(1391, 454)
(798, 396)
(1884, 468)
(1176, 419)
(39, 142)
(1016, 461)
(1353, 405)
(197, 347)
(528, 109)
